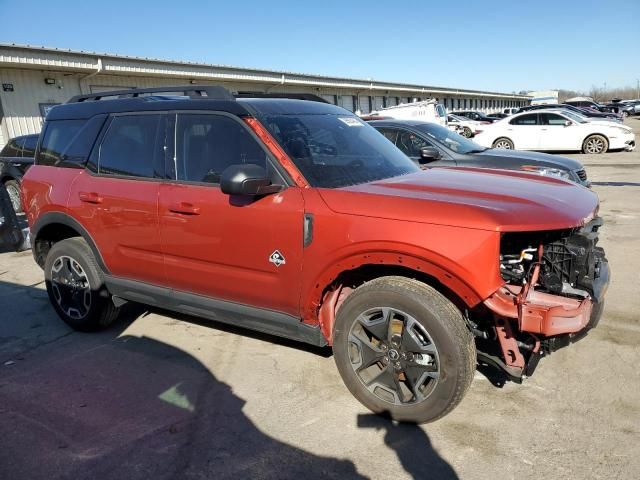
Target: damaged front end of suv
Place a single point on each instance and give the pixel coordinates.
(555, 283)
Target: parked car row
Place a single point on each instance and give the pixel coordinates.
(626, 108)
(297, 218)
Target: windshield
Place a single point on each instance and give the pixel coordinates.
(335, 151)
(449, 139)
(575, 116)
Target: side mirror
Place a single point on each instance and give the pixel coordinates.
(247, 179)
(429, 154)
(568, 123)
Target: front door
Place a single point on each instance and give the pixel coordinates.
(557, 134)
(239, 249)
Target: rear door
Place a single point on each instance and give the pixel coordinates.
(238, 249)
(116, 198)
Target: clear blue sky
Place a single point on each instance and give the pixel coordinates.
(501, 45)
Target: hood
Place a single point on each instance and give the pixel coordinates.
(496, 200)
(542, 159)
(609, 123)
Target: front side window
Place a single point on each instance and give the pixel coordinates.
(335, 151)
(411, 144)
(531, 119)
(207, 144)
(133, 146)
(552, 119)
(449, 139)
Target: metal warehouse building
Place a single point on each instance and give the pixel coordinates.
(35, 78)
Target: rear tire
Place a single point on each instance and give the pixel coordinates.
(467, 133)
(76, 287)
(595, 145)
(420, 353)
(503, 143)
(13, 189)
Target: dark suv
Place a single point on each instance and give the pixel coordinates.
(296, 218)
(15, 158)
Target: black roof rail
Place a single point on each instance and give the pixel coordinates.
(210, 92)
(293, 96)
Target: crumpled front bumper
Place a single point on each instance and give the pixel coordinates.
(547, 314)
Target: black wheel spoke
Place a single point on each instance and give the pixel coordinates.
(387, 378)
(412, 343)
(368, 353)
(379, 327)
(415, 378)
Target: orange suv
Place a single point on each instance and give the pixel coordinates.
(293, 217)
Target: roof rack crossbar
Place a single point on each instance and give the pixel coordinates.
(210, 92)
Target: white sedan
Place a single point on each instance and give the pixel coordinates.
(549, 130)
(465, 127)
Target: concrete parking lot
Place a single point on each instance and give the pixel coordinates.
(165, 396)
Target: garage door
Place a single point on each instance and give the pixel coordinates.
(378, 103)
(346, 101)
(329, 98)
(392, 101)
(363, 104)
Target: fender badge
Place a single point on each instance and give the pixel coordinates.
(277, 258)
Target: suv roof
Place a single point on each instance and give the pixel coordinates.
(189, 98)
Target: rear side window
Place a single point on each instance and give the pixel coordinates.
(525, 120)
(11, 149)
(57, 137)
(29, 147)
(207, 144)
(133, 146)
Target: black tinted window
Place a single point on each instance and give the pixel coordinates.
(11, 149)
(57, 136)
(552, 119)
(29, 147)
(389, 133)
(525, 120)
(133, 146)
(411, 144)
(207, 144)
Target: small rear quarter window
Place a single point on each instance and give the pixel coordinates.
(57, 137)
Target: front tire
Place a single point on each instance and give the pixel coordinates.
(503, 143)
(403, 349)
(595, 144)
(76, 288)
(467, 133)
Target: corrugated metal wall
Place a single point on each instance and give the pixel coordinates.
(31, 94)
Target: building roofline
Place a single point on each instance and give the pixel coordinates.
(278, 76)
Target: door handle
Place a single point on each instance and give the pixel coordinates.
(90, 197)
(184, 208)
